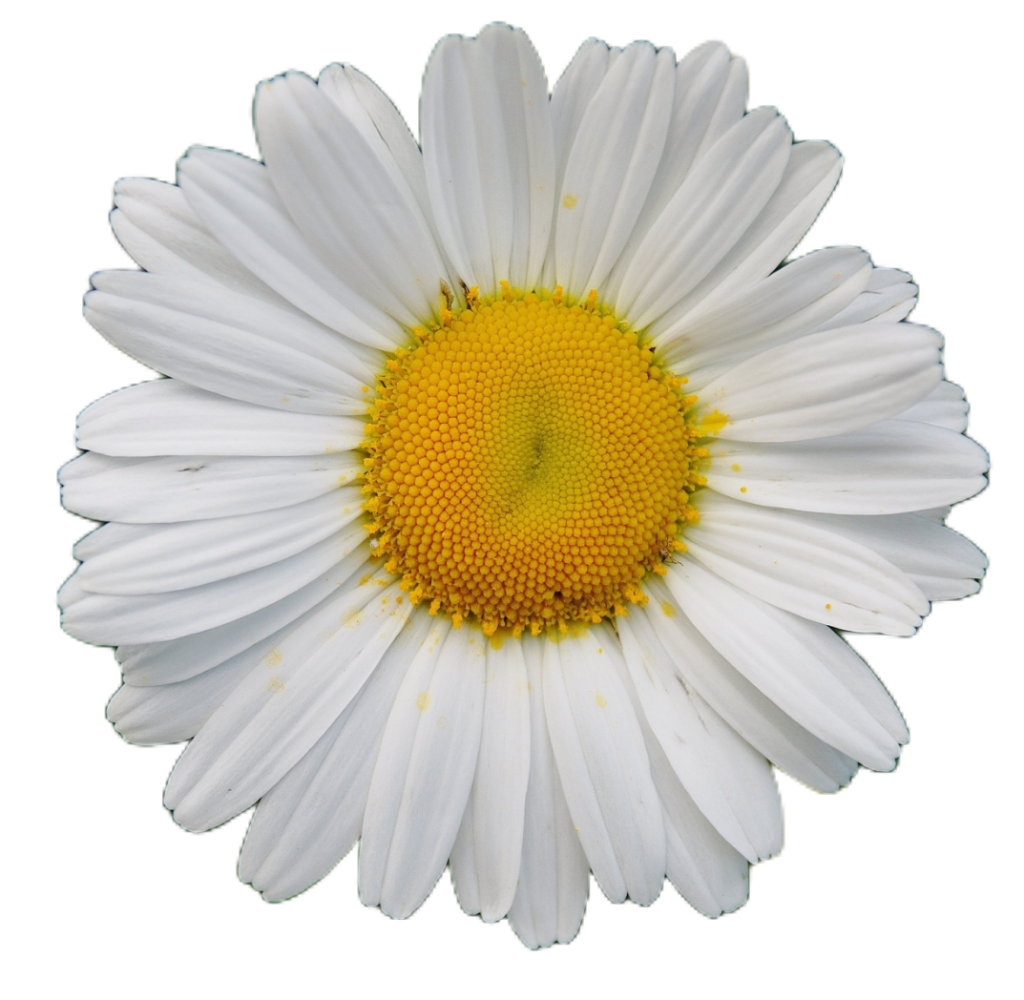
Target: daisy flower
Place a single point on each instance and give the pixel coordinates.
(507, 493)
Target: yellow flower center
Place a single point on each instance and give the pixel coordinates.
(528, 463)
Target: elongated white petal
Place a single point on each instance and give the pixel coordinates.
(279, 711)
(227, 343)
(890, 467)
(575, 90)
(706, 870)
(600, 196)
(729, 781)
(794, 562)
(805, 668)
(945, 406)
(170, 713)
(424, 771)
(489, 155)
(754, 716)
(348, 196)
(173, 488)
(716, 204)
(156, 225)
(553, 876)
(311, 818)
(178, 659)
(944, 564)
(787, 304)
(710, 97)
(487, 852)
(113, 620)
(168, 417)
(603, 766)
(238, 204)
(890, 295)
(188, 554)
(826, 383)
(809, 177)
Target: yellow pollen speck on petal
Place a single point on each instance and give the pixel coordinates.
(275, 685)
(274, 657)
(570, 201)
(528, 465)
(828, 607)
(743, 489)
(668, 609)
(423, 701)
(713, 423)
(735, 467)
(601, 701)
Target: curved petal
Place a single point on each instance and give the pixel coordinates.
(729, 781)
(890, 467)
(112, 620)
(945, 406)
(312, 817)
(553, 876)
(342, 186)
(826, 383)
(754, 716)
(716, 204)
(890, 295)
(789, 303)
(805, 668)
(794, 562)
(424, 772)
(808, 179)
(611, 165)
(279, 711)
(168, 417)
(489, 847)
(227, 343)
(603, 766)
(165, 558)
(488, 147)
(238, 204)
(172, 488)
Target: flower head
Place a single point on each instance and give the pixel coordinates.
(504, 497)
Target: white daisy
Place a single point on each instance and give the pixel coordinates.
(503, 499)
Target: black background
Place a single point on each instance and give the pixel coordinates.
(876, 859)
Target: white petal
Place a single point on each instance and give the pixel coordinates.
(755, 717)
(805, 668)
(611, 165)
(944, 564)
(168, 417)
(826, 383)
(554, 875)
(787, 304)
(227, 343)
(890, 467)
(170, 713)
(487, 852)
(730, 782)
(111, 620)
(575, 90)
(603, 766)
(424, 771)
(150, 490)
(348, 196)
(279, 711)
(710, 97)
(187, 554)
(178, 659)
(156, 225)
(488, 149)
(709, 873)
(311, 818)
(238, 204)
(794, 562)
(945, 406)
(809, 177)
(890, 295)
(717, 203)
